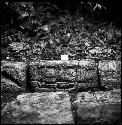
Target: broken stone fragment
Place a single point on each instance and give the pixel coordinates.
(98, 107)
(15, 71)
(38, 108)
(9, 86)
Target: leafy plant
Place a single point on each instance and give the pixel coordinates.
(56, 33)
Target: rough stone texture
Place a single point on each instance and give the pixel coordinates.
(15, 70)
(9, 91)
(9, 86)
(38, 108)
(64, 71)
(7, 97)
(66, 74)
(85, 62)
(98, 107)
(110, 73)
(65, 85)
(87, 78)
(87, 85)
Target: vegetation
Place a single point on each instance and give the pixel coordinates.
(44, 32)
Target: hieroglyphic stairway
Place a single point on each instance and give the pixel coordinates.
(62, 75)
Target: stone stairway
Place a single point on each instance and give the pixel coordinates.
(62, 75)
(50, 100)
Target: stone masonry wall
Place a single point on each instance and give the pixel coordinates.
(63, 74)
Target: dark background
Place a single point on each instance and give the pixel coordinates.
(113, 9)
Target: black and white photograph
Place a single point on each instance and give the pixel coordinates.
(61, 62)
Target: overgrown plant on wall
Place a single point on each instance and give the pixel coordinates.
(46, 32)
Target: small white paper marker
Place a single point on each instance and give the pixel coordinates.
(64, 57)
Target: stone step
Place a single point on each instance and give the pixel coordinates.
(48, 86)
(65, 85)
(49, 79)
(39, 108)
(45, 89)
(102, 107)
(109, 72)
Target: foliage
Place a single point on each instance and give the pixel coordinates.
(57, 32)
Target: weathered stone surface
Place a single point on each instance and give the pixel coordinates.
(65, 85)
(38, 108)
(87, 76)
(83, 63)
(9, 86)
(9, 91)
(7, 97)
(110, 73)
(111, 65)
(98, 107)
(15, 70)
(86, 85)
(64, 71)
(42, 74)
(66, 74)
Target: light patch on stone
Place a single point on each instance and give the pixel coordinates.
(21, 97)
(68, 34)
(87, 44)
(64, 57)
(26, 108)
(112, 65)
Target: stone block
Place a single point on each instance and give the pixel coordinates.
(38, 108)
(98, 107)
(110, 73)
(15, 71)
